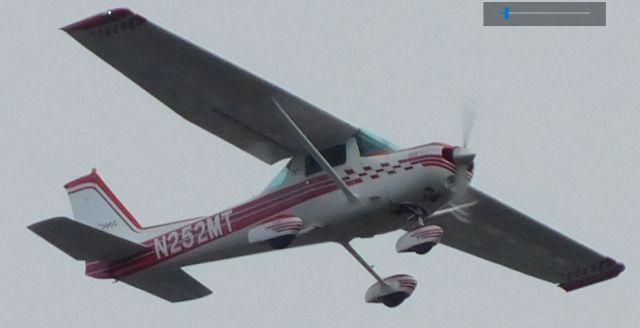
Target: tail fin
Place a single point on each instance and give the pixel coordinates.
(95, 205)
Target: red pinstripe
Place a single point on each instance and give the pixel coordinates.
(244, 215)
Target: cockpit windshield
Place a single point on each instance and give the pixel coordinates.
(368, 143)
(279, 178)
(372, 144)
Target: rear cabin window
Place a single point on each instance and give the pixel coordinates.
(336, 155)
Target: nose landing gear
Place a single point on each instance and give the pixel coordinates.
(420, 240)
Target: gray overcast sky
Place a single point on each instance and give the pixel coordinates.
(557, 137)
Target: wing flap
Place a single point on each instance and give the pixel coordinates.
(498, 233)
(83, 242)
(173, 285)
(204, 88)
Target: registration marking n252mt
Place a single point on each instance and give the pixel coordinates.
(192, 235)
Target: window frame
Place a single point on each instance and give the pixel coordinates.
(335, 159)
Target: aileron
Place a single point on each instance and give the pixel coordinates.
(498, 233)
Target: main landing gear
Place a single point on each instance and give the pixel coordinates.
(278, 233)
(391, 291)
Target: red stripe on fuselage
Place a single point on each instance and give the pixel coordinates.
(238, 222)
(242, 216)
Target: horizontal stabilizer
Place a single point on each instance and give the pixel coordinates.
(83, 242)
(173, 285)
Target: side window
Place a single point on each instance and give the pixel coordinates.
(370, 144)
(336, 155)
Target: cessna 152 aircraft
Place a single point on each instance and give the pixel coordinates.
(340, 183)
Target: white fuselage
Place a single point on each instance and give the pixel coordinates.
(381, 183)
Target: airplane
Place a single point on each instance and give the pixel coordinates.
(340, 183)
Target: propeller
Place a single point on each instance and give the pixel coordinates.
(468, 119)
(463, 156)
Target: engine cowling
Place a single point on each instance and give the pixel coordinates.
(279, 232)
(420, 240)
(393, 291)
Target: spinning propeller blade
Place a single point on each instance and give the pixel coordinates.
(468, 119)
(463, 156)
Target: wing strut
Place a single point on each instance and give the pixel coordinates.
(313, 151)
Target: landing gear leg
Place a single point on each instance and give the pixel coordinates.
(363, 262)
(417, 212)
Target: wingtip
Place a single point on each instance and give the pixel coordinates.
(612, 269)
(33, 226)
(100, 19)
(36, 227)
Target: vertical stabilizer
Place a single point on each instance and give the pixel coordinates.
(94, 204)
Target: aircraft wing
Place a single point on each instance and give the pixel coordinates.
(212, 93)
(495, 232)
